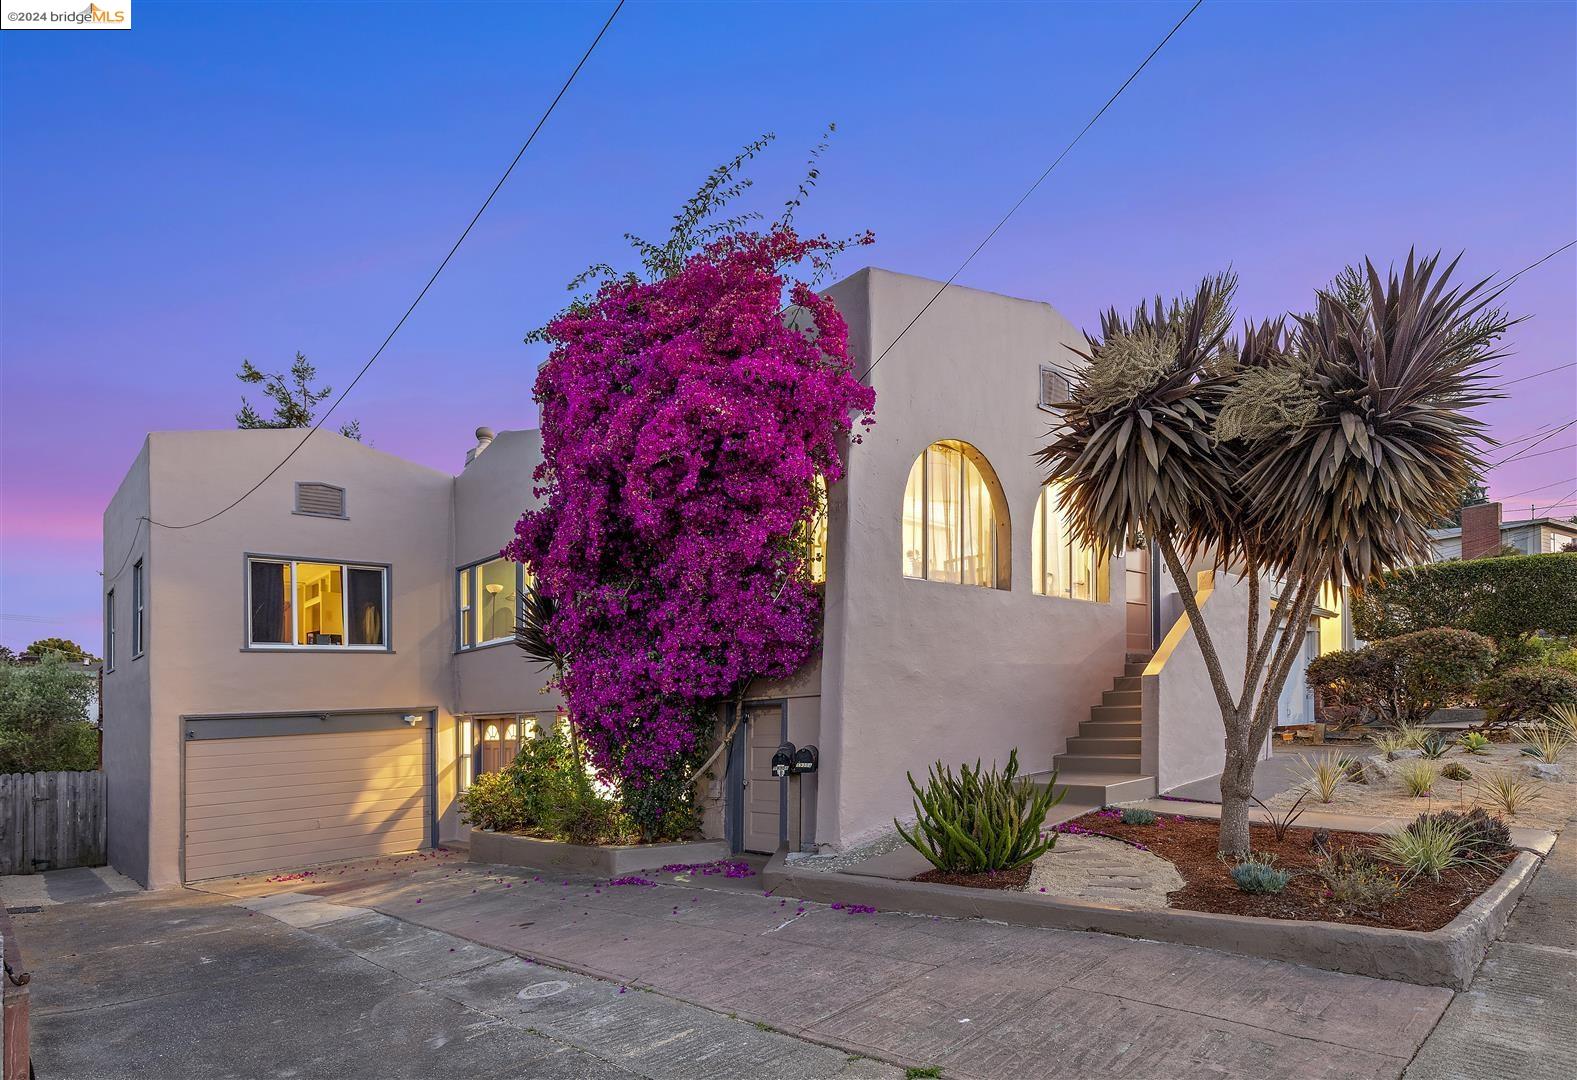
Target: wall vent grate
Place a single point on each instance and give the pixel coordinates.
(1055, 389)
(320, 500)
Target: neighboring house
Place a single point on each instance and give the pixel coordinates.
(316, 674)
(1531, 536)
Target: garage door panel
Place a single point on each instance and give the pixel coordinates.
(255, 862)
(220, 753)
(271, 802)
(308, 770)
(215, 793)
(368, 811)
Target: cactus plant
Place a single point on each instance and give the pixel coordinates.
(979, 821)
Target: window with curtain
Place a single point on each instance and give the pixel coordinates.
(1061, 565)
(949, 518)
(487, 602)
(301, 604)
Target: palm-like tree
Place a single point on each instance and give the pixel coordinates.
(534, 638)
(1314, 457)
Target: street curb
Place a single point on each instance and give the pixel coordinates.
(1445, 957)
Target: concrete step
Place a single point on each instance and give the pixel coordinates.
(1115, 712)
(1126, 682)
(1095, 790)
(1111, 729)
(1138, 657)
(1134, 670)
(1085, 744)
(1097, 763)
(1120, 697)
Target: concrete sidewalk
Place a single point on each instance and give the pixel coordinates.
(976, 999)
(1517, 1018)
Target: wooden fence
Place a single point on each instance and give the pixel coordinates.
(51, 820)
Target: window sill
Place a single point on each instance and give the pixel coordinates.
(320, 650)
(495, 643)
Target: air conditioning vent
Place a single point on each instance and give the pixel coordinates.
(320, 500)
(1055, 390)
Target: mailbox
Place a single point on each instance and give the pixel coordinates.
(805, 760)
(783, 760)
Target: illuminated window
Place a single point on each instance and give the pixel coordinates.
(950, 519)
(491, 743)
(1061, 564)
(816, 553)
(487, 602)
(293, 603)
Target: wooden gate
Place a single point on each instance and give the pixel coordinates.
(52, 820)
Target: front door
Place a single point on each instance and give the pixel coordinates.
(1136, 587)
(761, 799)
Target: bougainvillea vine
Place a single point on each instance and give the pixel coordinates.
(684, 421)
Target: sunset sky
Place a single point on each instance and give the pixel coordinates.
(229, 181)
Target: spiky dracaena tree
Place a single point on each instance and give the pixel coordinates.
(1294, 459)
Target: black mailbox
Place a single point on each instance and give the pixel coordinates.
(805, 759)
(783, 760)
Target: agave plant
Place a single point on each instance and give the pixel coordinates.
(1316, 457)
(980, 821)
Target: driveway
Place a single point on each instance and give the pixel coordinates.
(424, 967)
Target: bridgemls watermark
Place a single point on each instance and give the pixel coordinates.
(65, 15)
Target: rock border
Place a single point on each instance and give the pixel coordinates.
(608, 861)
(1445, 957)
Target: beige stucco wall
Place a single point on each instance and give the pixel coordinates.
(397, 513)
(916, 671)
(126, 684)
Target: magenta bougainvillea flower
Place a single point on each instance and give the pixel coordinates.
(683, 424)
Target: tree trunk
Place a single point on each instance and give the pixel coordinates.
(1237, 786)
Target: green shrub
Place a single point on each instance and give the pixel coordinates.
(1479, 830)
(588, 818)
(1428, 847)
(544, 792)
(1527, 692)
(980, 821)
(494, 802)
(1356, 882)
(1135, 815)
(1404, 679)
(1457, 771)
(44, 723)
(1474, 742)
(1258, 874)
(1506, 599)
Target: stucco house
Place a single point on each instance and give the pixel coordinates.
(316, 674)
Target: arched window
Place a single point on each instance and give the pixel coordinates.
(1060, 564)
(955, 524)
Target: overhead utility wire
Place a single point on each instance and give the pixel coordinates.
(419, 296)
(1025, 197)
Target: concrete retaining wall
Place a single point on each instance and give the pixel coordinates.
(1444, 957)
(509, 850)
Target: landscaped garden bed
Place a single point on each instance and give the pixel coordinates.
(1189, 844)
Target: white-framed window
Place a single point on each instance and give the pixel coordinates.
(487, 602)
(1060, 564)
(312, 604)
(138, 603)
(109, 631)
(951, 518)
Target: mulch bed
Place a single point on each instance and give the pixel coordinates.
(1190, 845)
(1015, 880)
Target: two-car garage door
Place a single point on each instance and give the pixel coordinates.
(268, 802)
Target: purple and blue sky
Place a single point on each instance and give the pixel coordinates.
(246, 180)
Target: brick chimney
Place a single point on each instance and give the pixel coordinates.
(1480, 530)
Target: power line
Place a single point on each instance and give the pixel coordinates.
(1025, 197)
(1539, 262)
(1536, 374)
(1556, 450)
(1524, 451)
(541, 122)
(1541, 487)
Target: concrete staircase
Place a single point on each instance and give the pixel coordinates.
(1102, 764)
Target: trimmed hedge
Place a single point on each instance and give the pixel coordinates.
(1527, 693)
(1406, 678)
(1503, 598)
